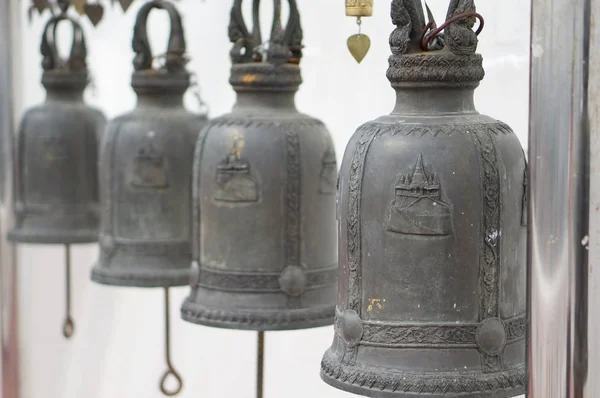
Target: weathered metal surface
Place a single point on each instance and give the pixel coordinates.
(264, 196)
(432, 247)
(146, 171)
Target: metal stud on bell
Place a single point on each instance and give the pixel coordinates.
(432, 244)
(57, 152)
(264, 195)
(146, 173)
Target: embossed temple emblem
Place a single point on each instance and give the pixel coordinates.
(328, 176)
(418, 208)
(235, 181)
(149, 169)
(55, 148)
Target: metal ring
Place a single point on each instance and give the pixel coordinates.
(426, 38)
(163, 380)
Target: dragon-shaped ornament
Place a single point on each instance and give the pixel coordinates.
(413, 35)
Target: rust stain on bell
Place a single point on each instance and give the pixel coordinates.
(249, 79)
(431, 206)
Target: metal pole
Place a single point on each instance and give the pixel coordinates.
(563, 280)
(9, 333)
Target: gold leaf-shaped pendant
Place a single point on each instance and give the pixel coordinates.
(359, 46)
(125, 4)
(40, 5)
(79, 6)
(94, 13)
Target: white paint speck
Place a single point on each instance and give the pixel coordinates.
(454, 305)
(585, 240)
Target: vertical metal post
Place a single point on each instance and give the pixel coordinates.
(9, 23)
(563, 274)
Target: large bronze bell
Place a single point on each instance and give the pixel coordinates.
(432, 239)
(146, 171)
(146, 177)
(56, 188)
(264, 195)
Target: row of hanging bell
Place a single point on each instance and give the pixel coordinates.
(145, 176)
(56, 184)
(432, 221)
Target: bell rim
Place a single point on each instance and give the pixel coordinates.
(145, 278)
(340, 376)
(18, 235)
(257, 320)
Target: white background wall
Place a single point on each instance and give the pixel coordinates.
(118, 347)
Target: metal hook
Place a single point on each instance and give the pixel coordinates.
(170, 369)
(427, 38)
(68, 325)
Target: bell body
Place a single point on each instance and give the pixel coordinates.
(432, 253)
(265, 181)
(57, 154)
(145, 180)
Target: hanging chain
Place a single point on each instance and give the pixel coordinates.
(170, 369)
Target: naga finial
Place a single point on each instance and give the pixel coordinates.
(413, 35)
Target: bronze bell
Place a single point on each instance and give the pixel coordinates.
(146, 171)
(56, 187)
(57, 184)
(264, 195)
(146, 175)
(432, 240)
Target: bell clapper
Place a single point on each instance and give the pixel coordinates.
(359, 44)
(68, 326)
(170, 369)
(260, 364)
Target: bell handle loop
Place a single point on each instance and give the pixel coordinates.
(243, 39)
(175, 59)
(170, 369)
(51, 58)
